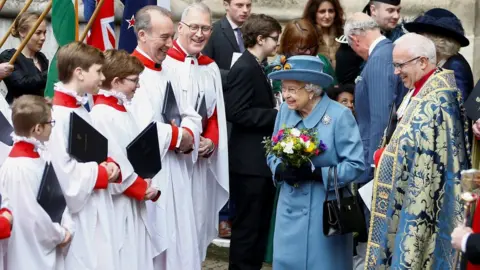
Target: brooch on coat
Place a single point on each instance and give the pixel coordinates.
(359, 78)
(326, 120)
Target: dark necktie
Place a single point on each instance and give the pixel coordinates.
(240, 39)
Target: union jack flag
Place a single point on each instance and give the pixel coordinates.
(102, 33)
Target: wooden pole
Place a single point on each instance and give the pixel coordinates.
(9, 31)
(30, 33)
(2, 3)
(76, 20)
(92, 19)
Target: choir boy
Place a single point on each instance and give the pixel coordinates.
(171, 217)
(200, 79)
(84, 184)
(35, 237)
(110, 117)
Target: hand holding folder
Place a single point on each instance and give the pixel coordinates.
(144, 152)
(50, 194)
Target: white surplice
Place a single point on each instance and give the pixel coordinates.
(34, 239)
(172, 216)
(135, 247)
(5, 204)
(91, 209)
(210, 180)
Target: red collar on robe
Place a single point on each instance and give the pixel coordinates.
(109, 101)
(65, 100)
(148, 63)
(23, 149)
(419, 84)
(178, 54)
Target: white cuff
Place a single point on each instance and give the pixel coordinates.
(179, 138)
(464, 242)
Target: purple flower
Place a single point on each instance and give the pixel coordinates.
(322, 146)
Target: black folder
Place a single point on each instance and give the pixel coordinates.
(85, 143)
(202, 111)
(50, 195)
(472, 105)
(170, 109)
(144, 152)
(5, 131)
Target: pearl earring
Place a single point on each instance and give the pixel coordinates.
(311, 97)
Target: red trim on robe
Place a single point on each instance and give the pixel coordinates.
(109, 101)
(173, 141)
(5, 226)
(102, 178)
(119, 179)
(137, 190)
(476, 229)
(65, 100)
(178, 54)
(23, 149)
(148, 63)
(377, 155)
(211, 132)
(419, 84)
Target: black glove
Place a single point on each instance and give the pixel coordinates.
(293, 176)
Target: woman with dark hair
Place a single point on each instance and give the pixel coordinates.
(328, 18)
(31, 67)
(343, 94)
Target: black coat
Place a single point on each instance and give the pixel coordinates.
(250, 108)
(25, 79)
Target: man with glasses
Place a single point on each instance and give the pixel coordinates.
(201, 85)
(171, 216)
(416, 203)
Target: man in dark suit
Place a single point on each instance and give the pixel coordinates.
(250, 107)
(226, 37)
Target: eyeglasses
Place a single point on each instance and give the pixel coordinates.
(291, 90)
(401, 65)
(135, 81)
(274, 38)
(51, 122)
(206, 29)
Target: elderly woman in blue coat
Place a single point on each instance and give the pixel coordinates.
(299, 242)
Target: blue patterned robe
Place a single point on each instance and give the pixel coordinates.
(416, 202)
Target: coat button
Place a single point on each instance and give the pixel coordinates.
(289, 210)
(305, 211)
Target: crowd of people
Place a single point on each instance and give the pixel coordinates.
(384, 96)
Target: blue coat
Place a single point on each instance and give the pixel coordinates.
(376, 89)
(299, 242)
(463, 74)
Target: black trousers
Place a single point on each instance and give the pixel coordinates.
(253, 196)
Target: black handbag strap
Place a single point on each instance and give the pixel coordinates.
(338, 194)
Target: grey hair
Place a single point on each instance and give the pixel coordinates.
(196, 6)
(446, 47)
(418, 45)
(357, 28)
(143, 19)
(317, 90)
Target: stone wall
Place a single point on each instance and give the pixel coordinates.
(467, 10)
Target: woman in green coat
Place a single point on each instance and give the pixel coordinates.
(299, 38)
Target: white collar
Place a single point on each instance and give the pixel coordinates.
(121, 97)
(36, 143)
(375, 43)
(143, 53)
(232, 24)
(60, 88)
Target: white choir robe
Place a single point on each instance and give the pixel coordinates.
(85, 188)
(34, 239)
(200, 77)
(135, 248)
(5, 231)
(172, 216)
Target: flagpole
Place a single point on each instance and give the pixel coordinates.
(31, 32)
(9, 31)
(92, 20)
(2, 3)
(77, 23)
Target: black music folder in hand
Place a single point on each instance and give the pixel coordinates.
(170, 109)
(5, 131)
(202, 111)
(50, 195)
(144, 152)
(472, 105)
(85, 143)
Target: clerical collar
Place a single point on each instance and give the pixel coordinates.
(112, 99)
(146, 60)
(25, 147)
(419, 84)
(67, 98)
(178, 53)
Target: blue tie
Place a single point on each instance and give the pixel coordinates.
(240, 39)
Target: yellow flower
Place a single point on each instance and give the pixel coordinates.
(283, 59)
(287, 67)
(277, 67)
(310, 148)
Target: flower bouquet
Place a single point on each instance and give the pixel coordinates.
(295, 147)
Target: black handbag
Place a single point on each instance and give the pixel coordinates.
(343, 214)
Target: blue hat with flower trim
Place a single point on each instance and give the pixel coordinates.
(304, 68)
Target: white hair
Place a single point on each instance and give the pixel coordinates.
(358, 27)
(198, 7)
(418, 45)
(446, 47)
(317, 90)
